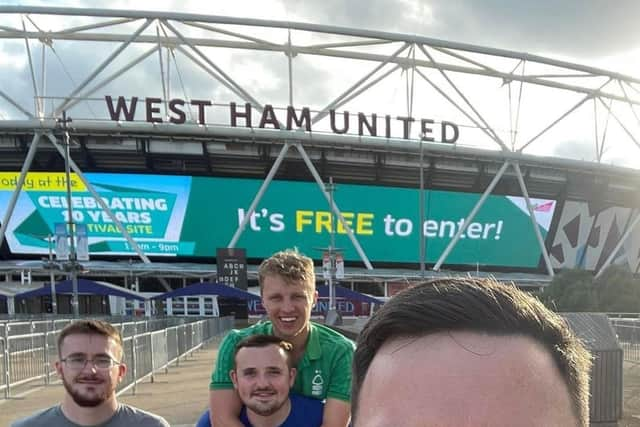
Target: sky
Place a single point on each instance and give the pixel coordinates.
(586, 31)
(589, 32)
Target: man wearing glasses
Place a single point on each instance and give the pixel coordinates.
(90, 366)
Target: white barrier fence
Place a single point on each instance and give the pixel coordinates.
(28, 349)
(628, 332)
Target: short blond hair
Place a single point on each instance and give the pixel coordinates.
(294, 267)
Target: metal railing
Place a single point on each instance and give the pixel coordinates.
(628, 332)
(28, 349)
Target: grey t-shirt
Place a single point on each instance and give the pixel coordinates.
(125, 416)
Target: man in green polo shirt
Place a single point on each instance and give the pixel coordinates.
(323, 356)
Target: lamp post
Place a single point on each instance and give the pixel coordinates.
(52, 279)
(332, 317)
(73, 264)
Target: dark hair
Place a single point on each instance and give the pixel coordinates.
(90, 327)
(481, 305)
(253, 341)
(291, 265)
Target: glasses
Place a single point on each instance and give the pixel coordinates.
(79, 362)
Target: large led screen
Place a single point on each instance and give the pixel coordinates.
(192, 216)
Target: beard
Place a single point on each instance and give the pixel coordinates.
(88, 400)
(266, 409)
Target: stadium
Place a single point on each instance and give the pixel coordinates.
(185, 134)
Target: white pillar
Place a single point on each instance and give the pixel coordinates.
(11, 306)
(216, 309)
(147, 308)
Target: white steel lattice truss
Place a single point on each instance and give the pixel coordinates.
(515, 105)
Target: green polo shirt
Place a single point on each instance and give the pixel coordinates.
(323, 372)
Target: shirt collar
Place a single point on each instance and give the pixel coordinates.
(313, 343)
(313, 350)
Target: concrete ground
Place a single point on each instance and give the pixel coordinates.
(180, 396)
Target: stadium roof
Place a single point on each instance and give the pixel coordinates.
(208, 289)
(209, 272)
(506, 104)
(553, 108)
(513, 111)
(84, 287)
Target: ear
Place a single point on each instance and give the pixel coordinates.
(58, 366)
(122, 371)
(315, 297)
(234, 378)
(292, 374)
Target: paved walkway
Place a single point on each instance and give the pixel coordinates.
(180, 396)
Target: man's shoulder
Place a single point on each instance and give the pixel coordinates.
(130, 415)
(331, 336)
(44, 418)
(125, 416)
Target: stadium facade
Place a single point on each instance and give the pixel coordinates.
(190, 133)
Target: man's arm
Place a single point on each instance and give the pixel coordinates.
(337, 409)
(224, 408)
(224, 403)
(336, 413)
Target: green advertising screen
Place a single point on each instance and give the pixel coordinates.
(192, 216)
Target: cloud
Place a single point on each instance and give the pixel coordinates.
(382, 15)
(589, 32)
(583, 30)
(575, 149)
(569, 28)
(578, 29)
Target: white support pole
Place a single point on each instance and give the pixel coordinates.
(555, 122)
(101, 67)
(334, 207)
(147, 308)
(366, 87)
(256, 200)
(11, 306)
(225, 77)
(16, 193)
(290, 64)
(43, 80)
(494, 134)
(569, 111)
(16, 105)
(615, 250)
(627, 131)
(455, 104)
(52, 278)
(101, 202)
(341, 98)
(37, 100)
(169, 304)
(470, 217)
(110, 78)
(212, 73)
(534, 223)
